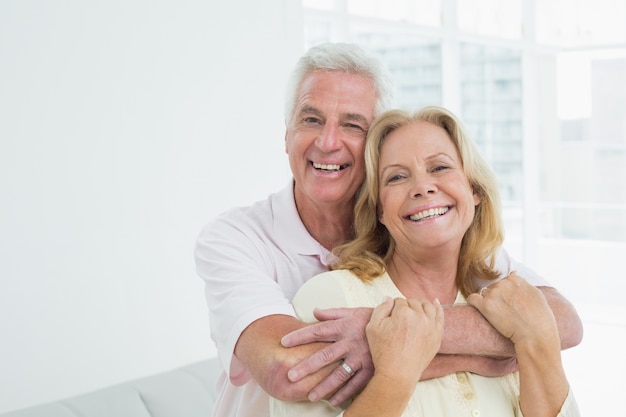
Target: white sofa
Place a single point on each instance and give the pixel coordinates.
(188, 391)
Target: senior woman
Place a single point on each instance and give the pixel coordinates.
(427, 218)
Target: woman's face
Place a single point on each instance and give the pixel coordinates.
(426, 200)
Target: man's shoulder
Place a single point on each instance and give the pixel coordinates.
(261, 213)
(272, 222)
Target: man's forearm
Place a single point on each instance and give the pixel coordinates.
(268, 362)
(443, 365)
(467, 332)
(568, 322)
(470, 343)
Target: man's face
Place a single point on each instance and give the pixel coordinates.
(326, 136)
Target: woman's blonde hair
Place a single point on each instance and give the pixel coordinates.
(373, 246)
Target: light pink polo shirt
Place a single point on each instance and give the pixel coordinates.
(253, 261)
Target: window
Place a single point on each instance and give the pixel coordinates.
(422, 13)
(502, 18)
(587, 197)
(540, 86)
(491, 105)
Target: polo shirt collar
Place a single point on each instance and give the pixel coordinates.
(289, 229)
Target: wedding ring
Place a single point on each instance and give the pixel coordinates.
(347, 369)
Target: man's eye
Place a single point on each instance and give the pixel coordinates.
(312, 120)
(353, 126)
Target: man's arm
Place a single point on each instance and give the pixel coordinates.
(336, 323)
(260, 351)
(464, 320)
(567, 319)
(249, 311)
(481, 365)
(470, 342)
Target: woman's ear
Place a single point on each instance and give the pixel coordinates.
(476, 195)
(477, 199)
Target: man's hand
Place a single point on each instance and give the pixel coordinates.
(260, 351)
(345, 327)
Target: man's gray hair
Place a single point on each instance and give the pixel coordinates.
(342, 57)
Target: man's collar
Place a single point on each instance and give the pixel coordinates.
(289, 228)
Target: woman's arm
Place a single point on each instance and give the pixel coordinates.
(397, 330)
(521, 313)
(487, 353)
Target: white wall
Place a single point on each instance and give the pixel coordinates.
(125, 125)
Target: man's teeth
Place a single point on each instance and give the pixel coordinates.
(429, 214)
(326, 167)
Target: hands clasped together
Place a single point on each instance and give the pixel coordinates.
(403, 335)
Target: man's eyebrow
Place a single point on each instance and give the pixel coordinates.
(306, 109)
(355, 117)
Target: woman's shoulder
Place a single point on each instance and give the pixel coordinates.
(332, 289)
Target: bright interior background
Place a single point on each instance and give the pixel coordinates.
(126, 125)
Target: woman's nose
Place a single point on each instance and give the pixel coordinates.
(423, 186)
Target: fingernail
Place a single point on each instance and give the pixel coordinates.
(292, 375)
(313, 397)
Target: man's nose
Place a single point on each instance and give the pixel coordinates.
(329, 139)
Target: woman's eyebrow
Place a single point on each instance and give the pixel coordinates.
(438, 155)
(390, 166)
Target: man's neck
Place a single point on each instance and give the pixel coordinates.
(330, 224)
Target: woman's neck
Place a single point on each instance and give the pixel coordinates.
(427, 279)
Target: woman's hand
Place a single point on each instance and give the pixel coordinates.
(516, 309)
(520, 312)
(404, 336)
